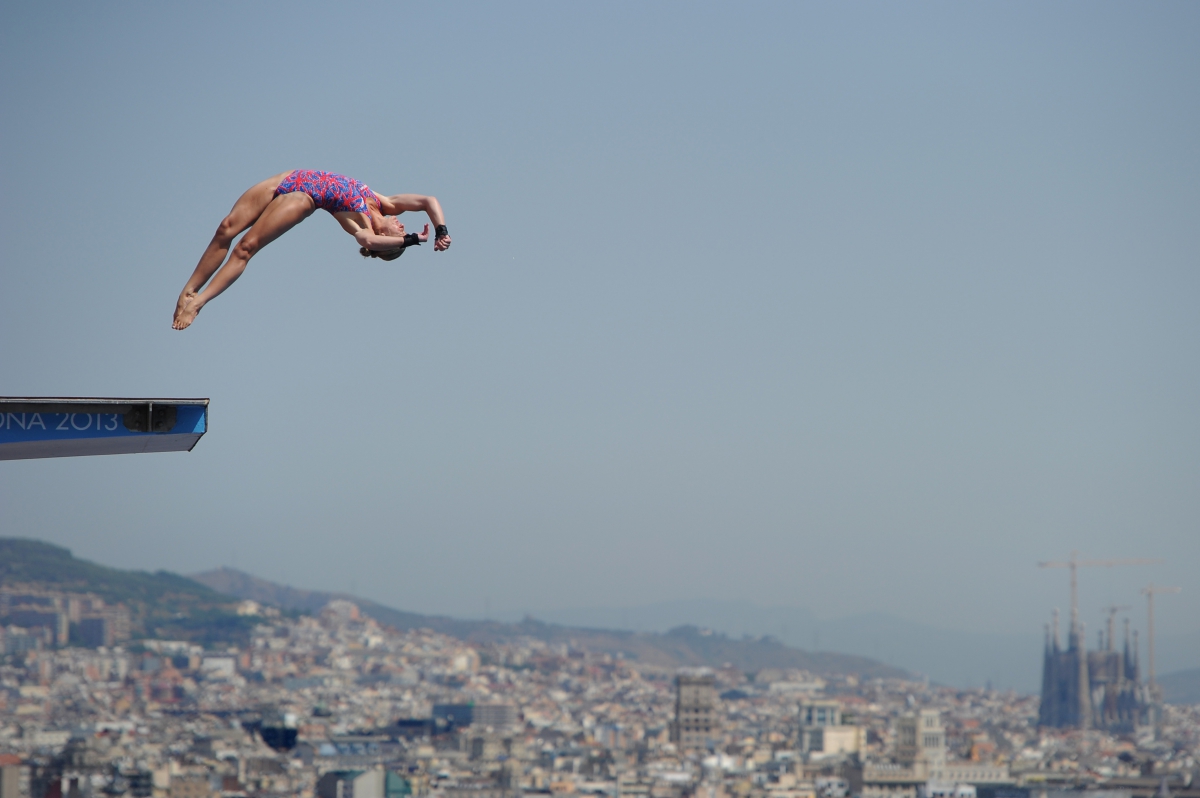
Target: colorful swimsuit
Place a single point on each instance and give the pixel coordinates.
(330, 191)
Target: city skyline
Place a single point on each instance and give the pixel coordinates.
(964, 659)
(305, 702)
(156, 686)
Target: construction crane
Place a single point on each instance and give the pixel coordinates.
(1112, 611)
(1149, 592)
(1074, 563)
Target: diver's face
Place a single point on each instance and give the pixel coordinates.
(392, 226)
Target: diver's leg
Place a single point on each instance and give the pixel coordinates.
(245, 211)
(282, 214)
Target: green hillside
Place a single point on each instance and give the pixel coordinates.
(161, 604)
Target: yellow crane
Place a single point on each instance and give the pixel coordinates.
(1149, 592)
(1075, 563)
(1112, 611)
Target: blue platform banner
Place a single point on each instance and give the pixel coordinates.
(36, 427)
(41, 426)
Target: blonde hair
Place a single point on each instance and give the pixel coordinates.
(390, 254)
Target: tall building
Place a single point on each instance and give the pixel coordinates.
(14, 777)
(823, 731)
(1084, 689)
(496, 716)
(455, 716)
(96, 631)
(53, 612)
(695, 709)
(921, 737)
(36, 609)
(820, 713)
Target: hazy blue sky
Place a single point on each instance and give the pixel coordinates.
(854, 306)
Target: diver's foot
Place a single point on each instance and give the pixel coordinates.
(184, 300)
(184, 316)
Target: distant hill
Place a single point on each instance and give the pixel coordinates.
(682, 646)
(232, 582)
(965, 658)
(1181, 687)
(946, 656)
(161, 604)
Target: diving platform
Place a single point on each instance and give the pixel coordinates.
(37, 427)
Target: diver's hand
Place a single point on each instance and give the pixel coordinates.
(423, 236)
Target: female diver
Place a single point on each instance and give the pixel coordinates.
(279, 203)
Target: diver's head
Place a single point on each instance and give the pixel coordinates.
(392, 227)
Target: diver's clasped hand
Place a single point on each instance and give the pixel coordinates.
(442, 242)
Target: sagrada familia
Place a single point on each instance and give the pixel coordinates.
(1099, 689)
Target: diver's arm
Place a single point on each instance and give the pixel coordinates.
(378, 243)
(399, 203)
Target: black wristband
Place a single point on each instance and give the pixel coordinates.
(440, 231)
(411, 238)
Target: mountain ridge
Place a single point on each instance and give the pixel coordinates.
(161, 604)
(965, 658)
(1181, 687)
(685, 645)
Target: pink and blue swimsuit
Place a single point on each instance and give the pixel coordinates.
(333, 192)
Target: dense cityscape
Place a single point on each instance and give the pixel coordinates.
(336, 705)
